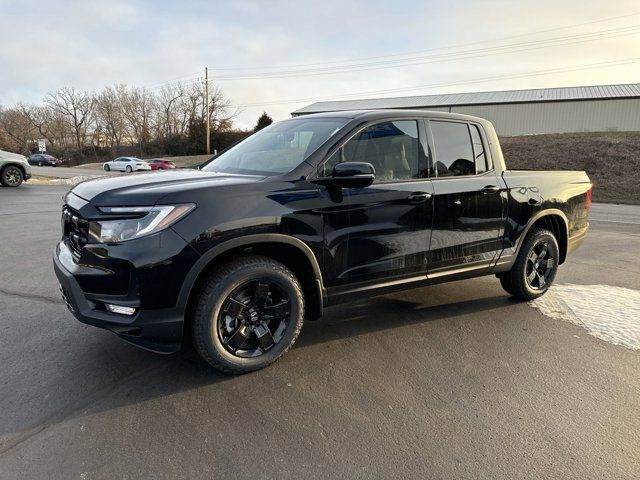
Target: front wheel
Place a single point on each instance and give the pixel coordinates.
(248, 313)
(11, 176)
(535, 268)
(107, 168)
(41, 164)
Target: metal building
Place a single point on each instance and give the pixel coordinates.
(523, 112)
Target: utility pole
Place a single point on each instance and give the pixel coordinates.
(206, 101)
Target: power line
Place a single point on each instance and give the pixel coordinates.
(449, 47)
(447, 84)
(477, 53)
(434, 58)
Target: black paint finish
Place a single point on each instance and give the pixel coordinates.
(343, 242)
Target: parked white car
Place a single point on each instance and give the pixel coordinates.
(126, 164)
(14, 169)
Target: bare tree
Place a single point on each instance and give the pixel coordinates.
(110, 117)
(137, 107)
(117, 117)
(17, 129)
(171, 111)
(77, 108)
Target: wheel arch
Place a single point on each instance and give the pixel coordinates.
(290, 251)
(14, 164)
(20, 167)
(556, 222)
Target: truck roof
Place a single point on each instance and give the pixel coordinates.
(388, 112)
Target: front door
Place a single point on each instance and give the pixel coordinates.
(469, 199)
(380, 232)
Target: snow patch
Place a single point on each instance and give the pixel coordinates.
(609, 313)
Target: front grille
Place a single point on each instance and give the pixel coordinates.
(75, 229)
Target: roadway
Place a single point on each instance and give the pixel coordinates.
(450, 381)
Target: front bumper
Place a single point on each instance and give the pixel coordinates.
(159, 329)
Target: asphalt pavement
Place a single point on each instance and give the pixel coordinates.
(64, 172)
(449, 381)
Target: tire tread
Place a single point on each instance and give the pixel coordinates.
(209, 290)
(513, 281)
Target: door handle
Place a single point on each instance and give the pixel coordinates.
(490, 189)
(419, 197)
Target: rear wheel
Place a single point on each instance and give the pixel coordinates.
(41, 164)
(11, 176)
(247, 314)
(535, 268)
(128, 169)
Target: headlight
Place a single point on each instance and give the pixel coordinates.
(138, 222)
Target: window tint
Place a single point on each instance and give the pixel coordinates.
(478, 149)
(392, 148)
(453, 151)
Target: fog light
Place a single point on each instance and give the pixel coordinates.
(120, 309)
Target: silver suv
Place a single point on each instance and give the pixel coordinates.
(14, 169)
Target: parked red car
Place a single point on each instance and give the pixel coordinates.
(159, 164)
(43, 160)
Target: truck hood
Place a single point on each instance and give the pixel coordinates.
(149, 188)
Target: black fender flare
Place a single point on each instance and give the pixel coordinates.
(508, 256)
(248, 240)
(538, 216)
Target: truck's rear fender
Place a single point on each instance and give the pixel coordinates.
(557, 201)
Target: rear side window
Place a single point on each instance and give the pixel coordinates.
(453, 150)
(478, 149)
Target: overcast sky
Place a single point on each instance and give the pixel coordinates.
(47, 44)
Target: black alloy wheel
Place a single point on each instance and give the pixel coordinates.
(247, 313)
(11, 176)
(253, 318)
(540, 265)
(535, 267)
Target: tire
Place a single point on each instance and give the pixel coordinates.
(41, 164)
(529, 277)
(128, 169)
(107, 168)
(11, 176)
(222, 320)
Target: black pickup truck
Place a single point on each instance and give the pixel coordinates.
(306, 213)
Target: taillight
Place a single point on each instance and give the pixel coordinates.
(589, 199)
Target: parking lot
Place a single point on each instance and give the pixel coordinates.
(450, 381)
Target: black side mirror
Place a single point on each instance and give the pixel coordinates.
(349, 175)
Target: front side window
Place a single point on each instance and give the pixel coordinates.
(393, 148)
(278, 148)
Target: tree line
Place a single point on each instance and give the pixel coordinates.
(85, 126)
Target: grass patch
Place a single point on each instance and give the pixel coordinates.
(611, 159)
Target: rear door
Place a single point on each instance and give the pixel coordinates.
(380, 232)
(469, 198)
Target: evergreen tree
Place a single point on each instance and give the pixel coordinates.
(264, 121)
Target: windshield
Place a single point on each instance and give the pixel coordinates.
(278, 148)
